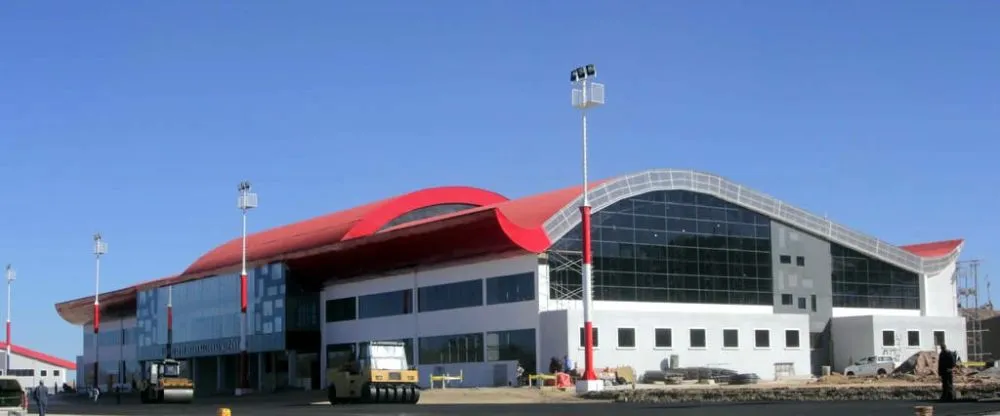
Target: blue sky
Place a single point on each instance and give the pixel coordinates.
(139, 118)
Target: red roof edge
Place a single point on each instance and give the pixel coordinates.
(934, 248)
(35, 355)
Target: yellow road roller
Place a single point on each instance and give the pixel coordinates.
(162, 383)
(378, 374)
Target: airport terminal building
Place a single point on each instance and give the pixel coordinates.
(690, 270)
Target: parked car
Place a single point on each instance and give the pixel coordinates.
(876, 365)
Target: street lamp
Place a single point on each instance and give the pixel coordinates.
(100, 248)
(587, 94)
(246, 202)
(11, 275)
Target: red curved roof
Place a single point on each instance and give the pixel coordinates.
(332, 228)
(38, 356)
(934, 249)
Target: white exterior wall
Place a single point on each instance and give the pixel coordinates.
(681, 318)
(502, 317)
(50, 377)
(860, 336)
(939, 293)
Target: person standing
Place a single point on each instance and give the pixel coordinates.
(946, 363)
(41, 397)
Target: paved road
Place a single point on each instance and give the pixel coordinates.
(262, 408)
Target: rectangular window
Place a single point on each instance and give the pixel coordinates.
(697, 338)
(337, 355)
(664, 338)
(938, 338)
(802, 303)
(912, 338)
(509, 289)
(785, 259)
(55, 373)
(813, 299)
(341, 309)
(730, 338)
(888, 338)
(626, 337)
(44, 373)
(786, 299)
(593, 334)
(21, 372)
(800, 261)
(791, 338)
(450, 349)
(451, 296)
(399, 302)
(762, 338)
(517, 345)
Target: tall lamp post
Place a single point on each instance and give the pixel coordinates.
(11, 275)
(100, 248)
(587, 94)
(246, 202)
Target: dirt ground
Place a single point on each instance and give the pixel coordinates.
(499, 395)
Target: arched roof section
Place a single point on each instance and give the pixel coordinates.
(328, 229)
(627, 186)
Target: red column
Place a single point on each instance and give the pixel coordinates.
(244, 380)
(587, 273)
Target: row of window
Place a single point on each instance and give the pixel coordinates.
(30, 372)
(912, 338)
(786, 259)
(787, 299)
(470, 293)
(663, 338)
(516, 345)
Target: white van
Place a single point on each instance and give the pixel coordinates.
(875, 365)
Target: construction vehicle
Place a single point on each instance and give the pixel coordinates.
(162, 383)
(379, 374)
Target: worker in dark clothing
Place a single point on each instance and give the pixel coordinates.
(946, 363)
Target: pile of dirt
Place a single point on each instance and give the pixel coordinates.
(825, 393)
(835, 378)
(922, 364)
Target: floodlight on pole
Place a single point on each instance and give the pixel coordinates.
(100, 248)
(247, 201)
(587, 94)
(10, 274)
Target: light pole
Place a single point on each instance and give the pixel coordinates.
(100, 248)
(587, 94)
(246, 202)
(11, 275)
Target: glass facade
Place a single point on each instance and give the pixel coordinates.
(206, 315)
(517, 345)
(670, 246)
(862, 282)
(117, 341)
(399, 302)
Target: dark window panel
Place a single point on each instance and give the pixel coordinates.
(508, 289)
(450, 349)
(398, 302)
(862, 282)
(593, 332)
(791, 338)
(664, 338)
(341, 309)
(517, 345)
(697, 338)
(912, 338)
(626, 337)
(730, 338)
(762, 338)
(451, 296)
